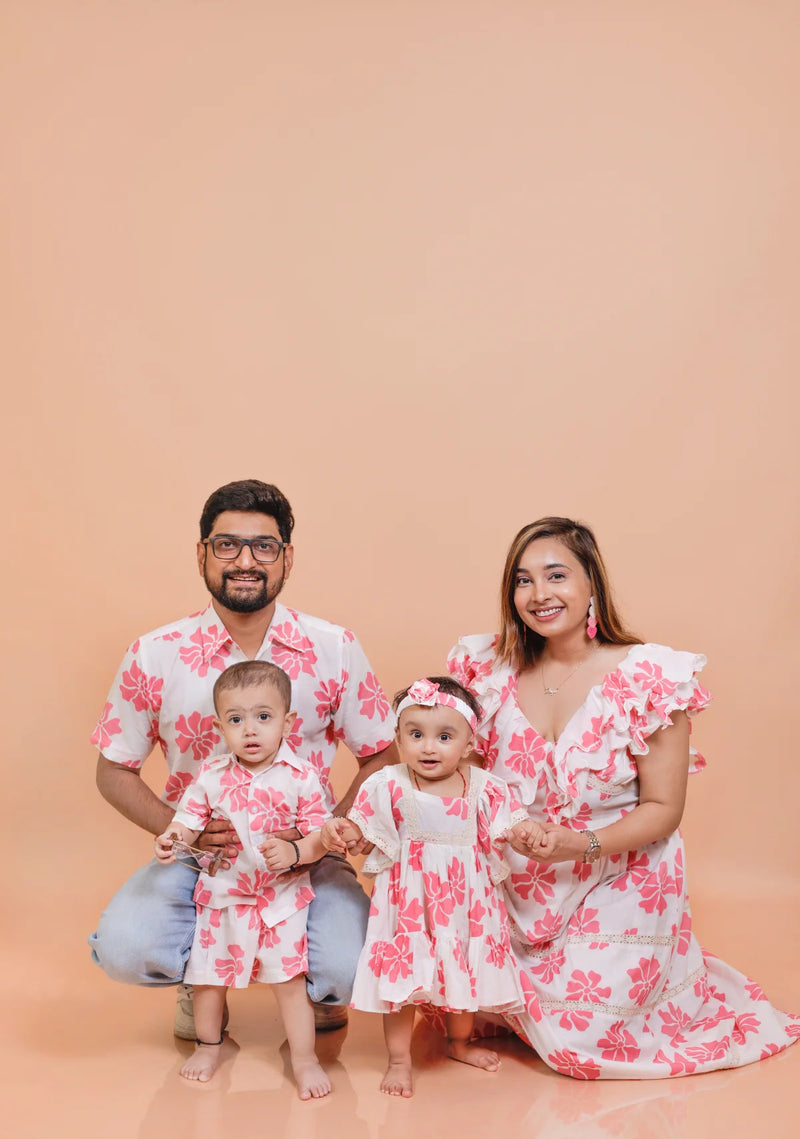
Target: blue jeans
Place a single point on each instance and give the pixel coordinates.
(146, 931)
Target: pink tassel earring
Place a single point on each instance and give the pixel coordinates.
(591, 624)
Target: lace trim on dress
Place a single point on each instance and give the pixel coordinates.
(622, 939)
(524, 948)
(468, 833)
(625, 1011)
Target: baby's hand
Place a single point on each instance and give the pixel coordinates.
(164, 845)
(525, 837)
(338, 835)
(278, 854)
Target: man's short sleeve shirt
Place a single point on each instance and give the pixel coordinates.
(162, 694)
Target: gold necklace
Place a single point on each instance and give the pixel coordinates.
(553, 691)
(458, 769)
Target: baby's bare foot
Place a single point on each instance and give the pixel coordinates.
(397, 1079)
(312, 1082)
(203, 1063)
(470, 1054)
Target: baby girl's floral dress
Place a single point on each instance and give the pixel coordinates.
(616, 984)
(438, 930)
(251, 922)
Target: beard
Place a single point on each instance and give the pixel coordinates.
(251, 602)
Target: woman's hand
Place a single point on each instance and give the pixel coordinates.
(558, 844)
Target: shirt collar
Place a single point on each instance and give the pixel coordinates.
(284, 755)
(284, 628)
(214, 633)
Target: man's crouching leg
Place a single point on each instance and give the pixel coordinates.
(337, 928)
(145, 933)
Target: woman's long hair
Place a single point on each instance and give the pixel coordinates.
(518, 645)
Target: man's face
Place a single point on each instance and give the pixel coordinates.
(244, 585)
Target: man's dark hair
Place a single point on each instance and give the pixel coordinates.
(251, 496)
(252, 674)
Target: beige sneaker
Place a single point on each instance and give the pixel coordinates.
(184, 1014)
(327, 1018)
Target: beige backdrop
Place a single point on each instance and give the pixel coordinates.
(436, 269)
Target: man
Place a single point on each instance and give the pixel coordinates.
(163, 694)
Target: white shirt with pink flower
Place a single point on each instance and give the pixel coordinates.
(616, 983)
(251, 922)
(162, 694)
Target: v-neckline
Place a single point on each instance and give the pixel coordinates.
(600, 684)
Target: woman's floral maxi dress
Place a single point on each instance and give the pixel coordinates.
(617, 985)
(438, 929)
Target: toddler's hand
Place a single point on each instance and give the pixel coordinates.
(278, 854)
(164, 845)
(525, 837)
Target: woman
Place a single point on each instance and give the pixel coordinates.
(618, 986)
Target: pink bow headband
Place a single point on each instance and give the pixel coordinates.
(427, 694)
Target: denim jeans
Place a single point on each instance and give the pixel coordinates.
(146, 931)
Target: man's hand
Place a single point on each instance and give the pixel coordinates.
(219, 837)
(340, 836)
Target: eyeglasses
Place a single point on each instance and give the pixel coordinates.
(227, 548)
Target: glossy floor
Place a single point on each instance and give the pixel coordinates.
(85, 1057)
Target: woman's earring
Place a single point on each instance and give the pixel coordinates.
(591, 624)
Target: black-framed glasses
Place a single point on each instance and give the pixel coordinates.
(227, 548)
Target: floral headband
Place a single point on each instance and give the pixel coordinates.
(427, 694)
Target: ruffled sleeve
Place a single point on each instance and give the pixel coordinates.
(472, 663)
(654, 682)
(373, 812)
(618, 718)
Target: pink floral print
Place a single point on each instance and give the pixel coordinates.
(247, 907)
(615, 983)
(143, 691)
(196, 735)
(163, 695)
(107, 728)
(373, 701)
(438, 931)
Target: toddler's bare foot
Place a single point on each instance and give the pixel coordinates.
(312, 1082)
(203, 1063)
(397, 1079)
(470, 1054)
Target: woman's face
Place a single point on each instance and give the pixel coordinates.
(552, 589)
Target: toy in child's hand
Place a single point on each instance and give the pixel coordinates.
(209, 864)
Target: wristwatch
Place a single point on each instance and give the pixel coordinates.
(593, 849)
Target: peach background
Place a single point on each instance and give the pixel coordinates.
(435, 269)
